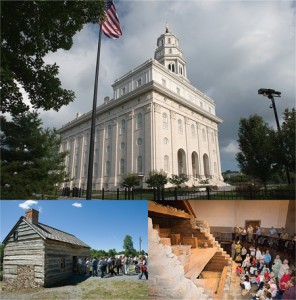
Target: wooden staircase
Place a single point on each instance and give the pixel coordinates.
(206, 254)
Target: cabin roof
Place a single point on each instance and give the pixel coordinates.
(48, 232)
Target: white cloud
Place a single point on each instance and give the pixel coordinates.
(27, 204)
(231, 148)
(76, 204)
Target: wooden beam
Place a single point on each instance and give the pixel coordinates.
(154, 207)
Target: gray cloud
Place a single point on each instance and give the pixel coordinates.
(232, 49)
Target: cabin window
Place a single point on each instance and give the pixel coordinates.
(63, 263)
(15, 235)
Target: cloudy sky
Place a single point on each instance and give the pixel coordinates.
(232, 49)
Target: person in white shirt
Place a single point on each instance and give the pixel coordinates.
(245, 283)
(272, 231)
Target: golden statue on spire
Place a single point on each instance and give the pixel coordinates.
(166, 27)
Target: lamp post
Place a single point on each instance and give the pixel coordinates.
(140, 242)
(270, 94)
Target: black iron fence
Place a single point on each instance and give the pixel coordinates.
(206, 193)
(209, 193)
(117, 194)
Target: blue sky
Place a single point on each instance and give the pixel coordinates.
(100, 224)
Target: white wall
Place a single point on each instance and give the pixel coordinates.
(232, 213)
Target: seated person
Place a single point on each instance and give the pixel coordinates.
(239, 270)
(260, 281)
(246, 262)
(245, 283)
(253, 277)
(283, 284)
(261, 292)
(273, 287)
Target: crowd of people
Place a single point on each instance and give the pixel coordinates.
(268, 237)
(271, 277)
(113, 266)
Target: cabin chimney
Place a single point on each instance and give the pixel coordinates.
(32, 215)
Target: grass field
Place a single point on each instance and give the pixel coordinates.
(89, 289)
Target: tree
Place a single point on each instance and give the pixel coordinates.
(157, 179)
(30, 30)
(285, 141)
(32, 165)
(130, 180)
(112, 252)
(128, 246)
(178, 179)
(256, 156)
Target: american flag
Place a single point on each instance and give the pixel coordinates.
(111, 27)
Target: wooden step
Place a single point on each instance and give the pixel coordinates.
(198, 260)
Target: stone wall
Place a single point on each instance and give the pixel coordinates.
(166, 274)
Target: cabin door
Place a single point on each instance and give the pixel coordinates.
(75, 264)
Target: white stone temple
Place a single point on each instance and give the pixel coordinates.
(156, 121)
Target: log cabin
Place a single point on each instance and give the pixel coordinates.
(37, 255)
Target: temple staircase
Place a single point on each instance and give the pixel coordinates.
(199, 253)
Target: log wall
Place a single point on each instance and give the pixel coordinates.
(55, 252)
(24, 253)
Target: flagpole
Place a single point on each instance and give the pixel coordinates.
(93, 123)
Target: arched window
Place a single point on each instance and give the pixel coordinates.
(107, 168)
(204, 134)
(121, 166)
(109, 132)
(96, 170)
(192, 131)
(139, 164)
(166, 163)
(139, 121)
(84, 170)
(169, 40)
(170, 51)
(165, 121)
(122, 127)
(173, 68)
(180, 126)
